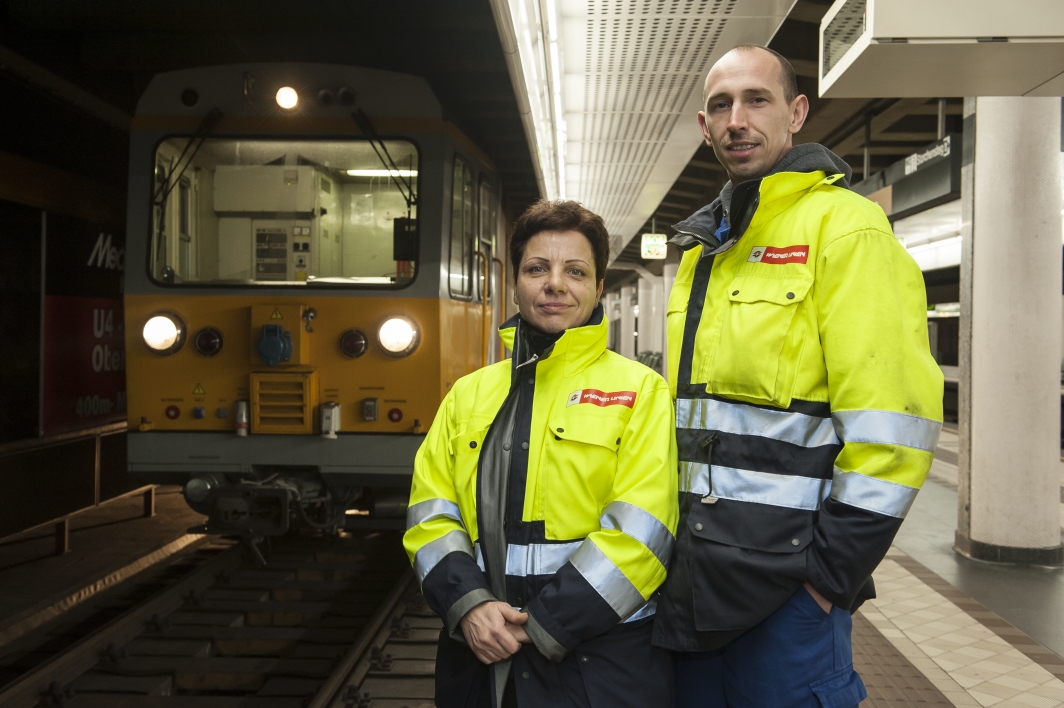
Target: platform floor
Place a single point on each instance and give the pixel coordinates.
(102, 542)
(949, 631)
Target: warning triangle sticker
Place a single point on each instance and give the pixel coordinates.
(276, 314)
(199, 390)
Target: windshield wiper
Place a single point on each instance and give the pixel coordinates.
(405, 185)
(206, 127)
(166, 186)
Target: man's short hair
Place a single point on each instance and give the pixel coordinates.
(561, 216)
(787, 76)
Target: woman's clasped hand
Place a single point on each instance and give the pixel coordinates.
(493, 631)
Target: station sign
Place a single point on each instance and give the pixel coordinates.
(83, 357)
(653, 247)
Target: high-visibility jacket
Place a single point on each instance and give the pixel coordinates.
(549, 482)
(808, 404)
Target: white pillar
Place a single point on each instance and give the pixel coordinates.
(1009, 481)
(628, 343)
(651, 312)
(668, 276)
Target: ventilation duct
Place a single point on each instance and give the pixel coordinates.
(917, 48)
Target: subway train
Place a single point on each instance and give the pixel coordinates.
(312, 261)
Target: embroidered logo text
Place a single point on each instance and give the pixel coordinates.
(771, 254)
(598, 398)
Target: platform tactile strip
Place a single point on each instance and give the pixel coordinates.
(891, 679)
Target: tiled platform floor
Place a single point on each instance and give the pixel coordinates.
(943, 630)
(965, 654)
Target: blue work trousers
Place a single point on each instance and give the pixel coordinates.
(800, 657)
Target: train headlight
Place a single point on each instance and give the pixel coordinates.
(398, 336)
(164, 333)
(287, 97)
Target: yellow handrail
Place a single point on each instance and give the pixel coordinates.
(502, 291)
(483, 307)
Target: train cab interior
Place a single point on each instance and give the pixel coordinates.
(284, 212)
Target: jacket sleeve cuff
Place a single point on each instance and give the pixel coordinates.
(548, 646)
(848, 544)
(461, 607)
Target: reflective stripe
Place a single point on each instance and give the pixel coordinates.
(538, 558)
(645, 611)
(432, 509)
(546, 559)
(784, 490)
(739, 419)
(640, 525)
(433, 552)
(533, 559)
(607, 579)
(872, 494)
(887, 428)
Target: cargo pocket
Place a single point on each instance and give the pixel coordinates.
(843, 689)
(762, 548)
(675, 319)
(750, 358)
(582, 457)
(466, 447)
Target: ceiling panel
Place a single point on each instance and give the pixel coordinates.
(633, 73)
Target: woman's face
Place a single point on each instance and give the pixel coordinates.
(556, 287)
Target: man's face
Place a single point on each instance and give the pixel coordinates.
(747, 120)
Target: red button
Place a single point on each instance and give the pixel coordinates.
(395, 415)
(173, 412)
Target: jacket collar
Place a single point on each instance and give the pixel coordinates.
(575, 350)
(803, 168)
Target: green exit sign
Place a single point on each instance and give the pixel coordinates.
(652, 247)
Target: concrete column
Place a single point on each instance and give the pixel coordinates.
(668, 276)
(611, 310)
(651, 312)
(1009, 393)
(628, 343)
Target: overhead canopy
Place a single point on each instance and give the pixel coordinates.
(612, 89)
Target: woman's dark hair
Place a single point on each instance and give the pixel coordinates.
(561, 215)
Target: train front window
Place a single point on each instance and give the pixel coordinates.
(278, 212)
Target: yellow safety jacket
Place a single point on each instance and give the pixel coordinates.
(808, 404)
(549, 481)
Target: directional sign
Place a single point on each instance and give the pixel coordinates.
(652, 246)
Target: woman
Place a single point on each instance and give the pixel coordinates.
(548, 483)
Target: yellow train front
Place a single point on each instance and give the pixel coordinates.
(309, 252)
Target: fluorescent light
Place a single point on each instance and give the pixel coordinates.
(934, 244)
(382, 173)
(539, 50)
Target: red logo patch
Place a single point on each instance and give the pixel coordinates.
(771, 254)
(598, 398)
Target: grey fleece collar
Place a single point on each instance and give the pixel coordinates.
(699, 228)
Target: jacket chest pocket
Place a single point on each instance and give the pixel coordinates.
(582, 458)
(466, 447)
(754, 356)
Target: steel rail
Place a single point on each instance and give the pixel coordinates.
(375, 633)
(27, 690)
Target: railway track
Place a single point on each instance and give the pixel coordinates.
(326, 623)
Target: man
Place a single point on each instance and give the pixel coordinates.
(807, 402)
